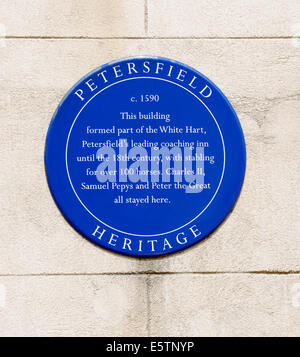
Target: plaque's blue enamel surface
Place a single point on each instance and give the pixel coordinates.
(145, 156)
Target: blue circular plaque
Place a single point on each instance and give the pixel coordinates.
(145, 156)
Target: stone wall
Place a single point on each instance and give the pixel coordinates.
(242, 281)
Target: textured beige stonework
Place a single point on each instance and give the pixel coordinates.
(74, 306)
(261, 69)
(47, 286)
(225, 305)
(159, 305)
(72, 18)
(219, 18)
